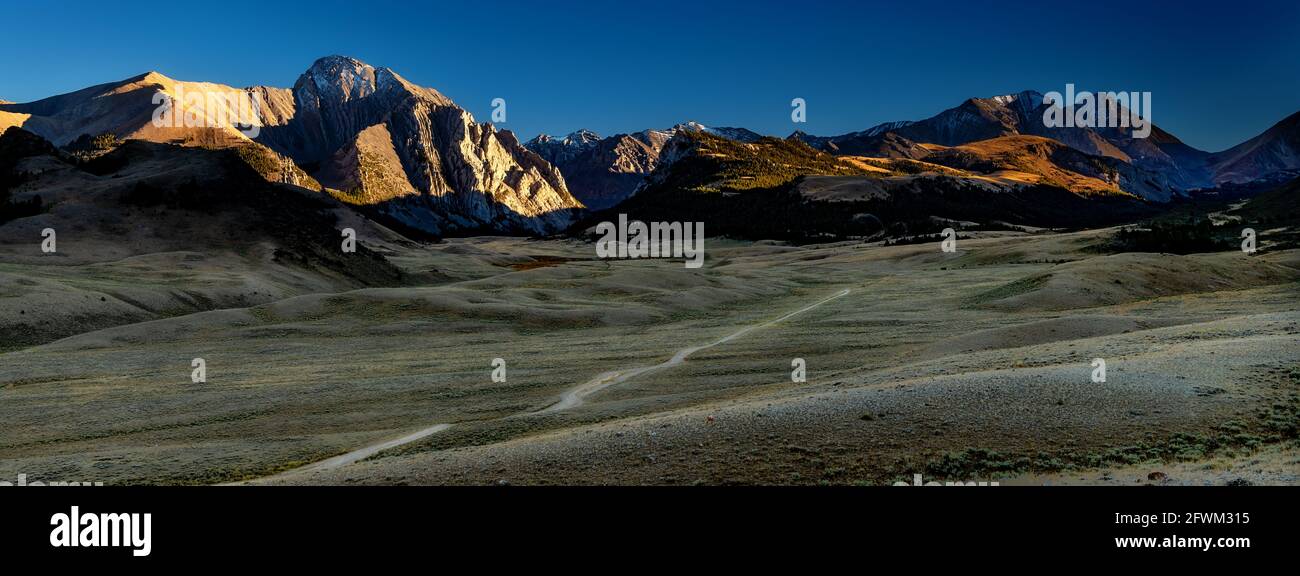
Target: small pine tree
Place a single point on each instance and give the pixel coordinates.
(105, 141)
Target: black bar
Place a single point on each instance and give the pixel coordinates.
(320, 526)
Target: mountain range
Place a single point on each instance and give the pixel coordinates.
(410, 156)
(1160, 167)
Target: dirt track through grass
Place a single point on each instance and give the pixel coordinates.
(571, 398)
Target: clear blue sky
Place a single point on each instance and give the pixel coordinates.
(1218, 74)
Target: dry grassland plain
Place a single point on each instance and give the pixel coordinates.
(970, 365)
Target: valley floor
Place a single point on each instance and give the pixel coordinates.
(974, 365)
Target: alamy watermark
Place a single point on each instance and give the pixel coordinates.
(1098, 370)
(917, 481)
(208, 109)
(498, 110)
(23, 481)
(78, 529)
(1099, 110)
(498, 370)
(200, 373)
(949, 243)
(637, 239)
(1248, 241)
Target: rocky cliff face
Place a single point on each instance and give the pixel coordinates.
(414, 155)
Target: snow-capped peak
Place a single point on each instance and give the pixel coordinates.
(342, 77)
(886, 127)
(581, 137)
(576, 139)
(737, 134)
(1031, 99)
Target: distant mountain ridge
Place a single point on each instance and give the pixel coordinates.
(784, 189)
(1275, 150)
(604, 171)
(1173, 164)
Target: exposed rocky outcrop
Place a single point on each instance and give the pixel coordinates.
(602, 171)
(412, 154)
